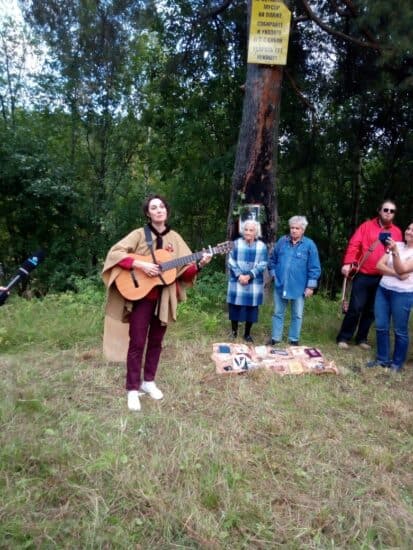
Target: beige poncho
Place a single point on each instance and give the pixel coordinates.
(116, 329)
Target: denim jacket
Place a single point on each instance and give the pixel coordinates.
(294, 267)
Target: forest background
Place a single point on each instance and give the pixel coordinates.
(103, 102)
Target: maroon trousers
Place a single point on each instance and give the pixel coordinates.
(144, 327)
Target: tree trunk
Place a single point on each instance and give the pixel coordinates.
(356, 189)
(254, 180)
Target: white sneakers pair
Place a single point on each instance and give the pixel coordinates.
(345, 345)
(147, 387)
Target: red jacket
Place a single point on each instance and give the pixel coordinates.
(365, 236)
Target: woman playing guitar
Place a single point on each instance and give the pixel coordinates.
(144, 320)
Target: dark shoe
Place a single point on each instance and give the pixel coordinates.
(294, 343)
(272, 342)
(395, 368)
(248, 338)
(233, 334)
(376, 363)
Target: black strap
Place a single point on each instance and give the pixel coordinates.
(149, 242)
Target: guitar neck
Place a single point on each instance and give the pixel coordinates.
(184, 260)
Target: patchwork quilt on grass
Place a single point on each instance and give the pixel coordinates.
(230, 358)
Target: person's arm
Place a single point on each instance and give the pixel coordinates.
(232, 261)
(206, 258)
(189, 274)
(126, 263)
(400, 267)
(272, 262)
(122, 250)
(262, 261)
(234, 267)
(353, 250)
(314, 270)
(193, 269)
(148, 268)
(383, 268)
(259, 266)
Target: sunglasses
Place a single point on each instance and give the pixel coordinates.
(391, 210)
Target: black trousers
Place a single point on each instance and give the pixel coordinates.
(360, 314)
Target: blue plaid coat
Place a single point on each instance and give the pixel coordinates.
(247, 258)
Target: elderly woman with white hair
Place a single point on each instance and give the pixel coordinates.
(295, 267)
(247, 262)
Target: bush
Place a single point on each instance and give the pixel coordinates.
(209, 291)
(55, 321)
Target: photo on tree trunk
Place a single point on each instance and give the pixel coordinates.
(254, 212)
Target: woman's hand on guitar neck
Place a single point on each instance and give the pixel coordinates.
(151, 270)
(206, 258)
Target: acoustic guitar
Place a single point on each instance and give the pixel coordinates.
(346, 289)
(134, 284)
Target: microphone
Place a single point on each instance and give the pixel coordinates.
(23, 272)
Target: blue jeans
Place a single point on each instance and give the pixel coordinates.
(392, 305)
(297, 308)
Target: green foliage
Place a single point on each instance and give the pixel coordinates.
(127, 99)
(56, 321)
(209, 291)
(206, 300)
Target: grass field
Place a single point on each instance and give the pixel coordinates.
(251, 461)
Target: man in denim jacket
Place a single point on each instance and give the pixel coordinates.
(295, 267)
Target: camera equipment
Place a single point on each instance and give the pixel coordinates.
(384, 236)
(23, 272)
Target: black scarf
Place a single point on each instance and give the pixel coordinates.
(159, 243)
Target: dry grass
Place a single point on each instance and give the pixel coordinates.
(251, 461)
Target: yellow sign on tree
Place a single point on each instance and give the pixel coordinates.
(269, 32)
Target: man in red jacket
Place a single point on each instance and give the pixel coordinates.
(364, 250)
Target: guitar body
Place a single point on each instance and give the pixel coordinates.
(135, 284)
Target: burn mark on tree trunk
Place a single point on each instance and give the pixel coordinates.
(254, 178)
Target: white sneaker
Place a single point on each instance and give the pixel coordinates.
(133, 401)
(151, 389)
(343, 345)
(364, 345)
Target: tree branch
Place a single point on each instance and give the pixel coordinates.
(299, 92)
(330, 30)
(353, 11)
(216, 11)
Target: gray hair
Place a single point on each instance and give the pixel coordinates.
(251, 222)
(298, 220)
